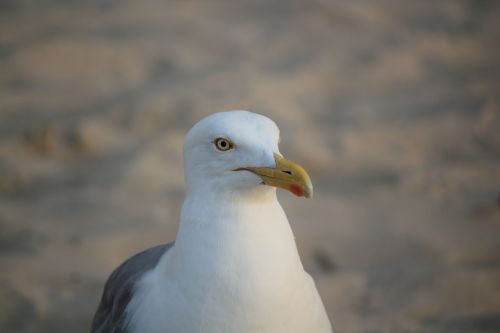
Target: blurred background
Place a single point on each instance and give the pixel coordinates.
(393, 107)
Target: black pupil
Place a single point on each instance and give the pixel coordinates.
(223, 144)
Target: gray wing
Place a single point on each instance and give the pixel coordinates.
(119, 289)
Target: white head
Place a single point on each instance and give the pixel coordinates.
(237, 152)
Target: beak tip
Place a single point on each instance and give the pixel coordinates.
(302, 191)
(308, 193)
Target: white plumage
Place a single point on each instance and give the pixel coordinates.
(234, 267)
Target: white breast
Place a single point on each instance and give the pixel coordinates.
(239, 274)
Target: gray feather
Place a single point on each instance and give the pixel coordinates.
(119, 290)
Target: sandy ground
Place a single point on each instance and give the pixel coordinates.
(393, 107)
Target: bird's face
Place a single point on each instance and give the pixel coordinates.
(237, 152)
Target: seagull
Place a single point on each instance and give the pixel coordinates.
(234, 266)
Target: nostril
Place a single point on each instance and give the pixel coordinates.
(288, 172)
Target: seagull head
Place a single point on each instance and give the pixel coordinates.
(237, 152)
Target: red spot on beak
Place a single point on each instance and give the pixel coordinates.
(297, 190)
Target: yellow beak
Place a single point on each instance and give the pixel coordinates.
(286, 175)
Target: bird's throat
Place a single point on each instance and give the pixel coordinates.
(220, 244)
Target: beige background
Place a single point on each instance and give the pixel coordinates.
(393, 107)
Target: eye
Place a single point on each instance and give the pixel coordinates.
(223, 144)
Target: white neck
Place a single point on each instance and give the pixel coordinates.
(234, 268)
(235, 236)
